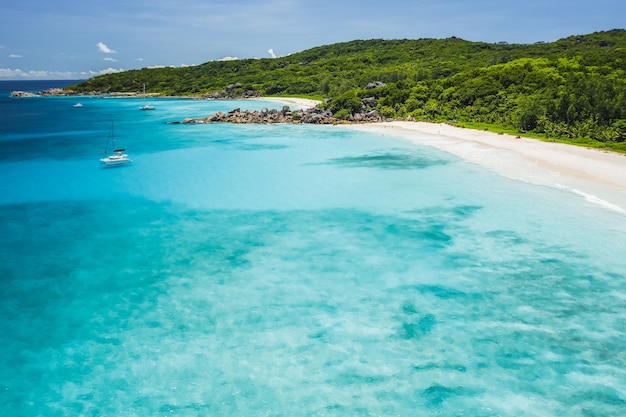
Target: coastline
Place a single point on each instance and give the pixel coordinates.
(598, 176)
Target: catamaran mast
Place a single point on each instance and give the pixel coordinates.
(112, 137)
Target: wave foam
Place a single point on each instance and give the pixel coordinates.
(594, 199)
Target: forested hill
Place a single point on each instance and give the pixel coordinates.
(574, 87)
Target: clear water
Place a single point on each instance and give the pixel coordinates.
(285, 270)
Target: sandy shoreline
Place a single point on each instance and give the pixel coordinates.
(598, 176)
(303, 103)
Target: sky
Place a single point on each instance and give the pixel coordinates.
(79, 39)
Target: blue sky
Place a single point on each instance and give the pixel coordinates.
(77, 39)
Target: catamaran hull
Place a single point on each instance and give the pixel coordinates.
(115, 162)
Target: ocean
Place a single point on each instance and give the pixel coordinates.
(291, 270)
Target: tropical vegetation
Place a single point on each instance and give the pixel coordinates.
(572, 89)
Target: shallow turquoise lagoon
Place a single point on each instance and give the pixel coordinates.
(285, 270)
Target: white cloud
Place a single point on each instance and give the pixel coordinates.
(11, 73)
(110, 59)
(229, 58)
(105, 49)
(15, 56)
(16, 74)
(271, 52)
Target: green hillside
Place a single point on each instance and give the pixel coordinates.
(574, 88)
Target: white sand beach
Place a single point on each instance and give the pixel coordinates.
(303, 103)
(596, 175)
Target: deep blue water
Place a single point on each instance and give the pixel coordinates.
(284, 270)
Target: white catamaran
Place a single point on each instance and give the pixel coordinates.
(118, 157)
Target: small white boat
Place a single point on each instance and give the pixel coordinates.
(117, 159)
(119, 156)
(78, 105)
(146, 106)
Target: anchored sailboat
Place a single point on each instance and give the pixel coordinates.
(146, 106)
(118, 157)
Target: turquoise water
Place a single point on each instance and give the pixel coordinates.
(287, 270)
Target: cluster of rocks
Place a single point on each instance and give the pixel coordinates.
(48, 92)
(53, 92)
(22, 94)
(312, 115)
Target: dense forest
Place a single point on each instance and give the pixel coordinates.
(573, 88)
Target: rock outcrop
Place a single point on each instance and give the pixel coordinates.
(285, 115)
(23, 94)
(375, 84)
